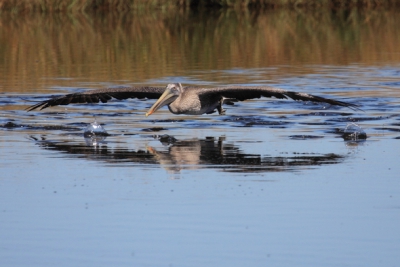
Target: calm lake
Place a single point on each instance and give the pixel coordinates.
(270, 183)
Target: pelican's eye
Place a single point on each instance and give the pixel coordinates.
(175, 90)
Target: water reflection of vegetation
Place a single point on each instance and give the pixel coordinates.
(125, 46)
(191, 154)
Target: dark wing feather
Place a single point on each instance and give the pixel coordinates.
(249, 92)
(101, 95)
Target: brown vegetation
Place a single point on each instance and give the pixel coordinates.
(124, 5)
(117, 47)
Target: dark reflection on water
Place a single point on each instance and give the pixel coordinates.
(210, 152)
(249, 121)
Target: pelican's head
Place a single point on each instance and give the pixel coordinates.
(171, 93)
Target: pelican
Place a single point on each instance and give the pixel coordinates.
(186, 99)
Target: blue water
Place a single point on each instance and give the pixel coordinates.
(269, 184)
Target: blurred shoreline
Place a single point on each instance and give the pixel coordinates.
(17, 6)
(120, 47)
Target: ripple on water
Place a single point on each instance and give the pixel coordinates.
(154, 129)
(304, 137)
(250, 121)
(358, 119)
(390, 129)
(324, 114)
(12, 125)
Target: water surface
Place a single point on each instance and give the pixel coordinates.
(272, 182)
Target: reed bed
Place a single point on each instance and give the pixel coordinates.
(115, 47)
(87, 5)
(124, 5)
(305, 3)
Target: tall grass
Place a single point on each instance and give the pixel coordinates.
(124, 5)
(133, 46)
(304, 3)
(87, 5)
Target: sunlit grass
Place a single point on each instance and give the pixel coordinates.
(126, 46)
(307, 3)
(86, 5)
(123, 5)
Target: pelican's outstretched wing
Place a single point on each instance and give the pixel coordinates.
(103, 95)
(241, 93)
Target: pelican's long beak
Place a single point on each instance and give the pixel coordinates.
(166, 98)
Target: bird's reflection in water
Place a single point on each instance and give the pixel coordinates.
(190, 154)
(95, 141)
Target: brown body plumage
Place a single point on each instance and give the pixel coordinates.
(186, 100)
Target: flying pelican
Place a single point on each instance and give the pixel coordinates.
(185, 99)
